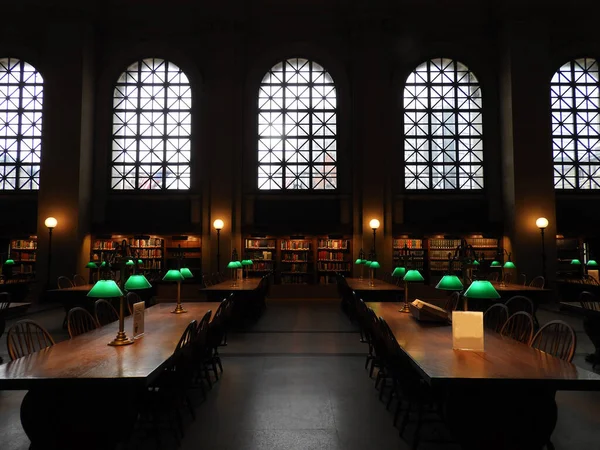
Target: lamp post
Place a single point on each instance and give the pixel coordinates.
(218, 224)
(50, 223)
(374, 224)
(542, 223)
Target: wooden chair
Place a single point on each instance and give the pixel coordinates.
(523, 279)
(132, 298)
(538, 282)
(64, 283)
(556, 338)
(587, 300)
(105, 312)
(78, 280)
(519, 327)
(519, 303)
(452, 302)
(495, 317)
(26, 337)
(80, 321)
(4, 305)
(493, 276)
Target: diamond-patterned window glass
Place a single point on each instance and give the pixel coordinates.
(151, 127)
(297, 129)
(21, 100)
(575, 109)
(443, 132)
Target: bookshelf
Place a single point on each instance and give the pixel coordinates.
(486, 248)
(568, 249)
(184, 251)
(262, 252)
(296, 261)
(413, 249)
(24, 254)
(333, 255)
(150, 249)
(438, 254)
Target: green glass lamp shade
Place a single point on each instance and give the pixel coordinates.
(450, 283)
(187, 273)
(592, 263)
(130, 263)
(140, 261)
(481, 289)
(374, 265)
(91, 265)
(475, 263)
(238, 265)
(173, 275)
(137, 282)
(358, 261)
(9, 262)
(413, 275)
(367, 263)
(509, 265)
(399, 272)
(495, 264)
(247, 262)
(105, 289)
(234, 265)
(575, 262)
(104, 264)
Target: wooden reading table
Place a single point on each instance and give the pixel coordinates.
(502, 398)
(248, 303)
(83, 392)
(381, 291)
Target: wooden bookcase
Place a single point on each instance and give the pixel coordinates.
(296, 261)
(150, 249)
(24, 253)
(184, 251)
(262, 251)
(568, 249)
(333, 255)
(413, 250)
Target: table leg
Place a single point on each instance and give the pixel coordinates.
(501, 419)
(69, 419)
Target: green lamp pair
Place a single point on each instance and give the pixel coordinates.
(178, 276)
(410, 276)
(234, 265)
(110, 289)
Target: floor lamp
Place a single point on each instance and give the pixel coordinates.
(542, 223)
(50, 223)
(218, 224)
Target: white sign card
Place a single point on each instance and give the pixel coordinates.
(138, 319)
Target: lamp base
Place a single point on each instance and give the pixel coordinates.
(120, 340)
(405, 308)
(178, 309)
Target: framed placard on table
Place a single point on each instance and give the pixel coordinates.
(138, 319)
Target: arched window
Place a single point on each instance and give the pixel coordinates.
(575, 104)
(151, 127)
(297, 131)
(21, 100)
(443, 134)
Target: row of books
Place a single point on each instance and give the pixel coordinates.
(294, 257)
(150, 253)
(24, 256)
(295, 245)
(341, 244)
(324, 254)
(409, 243)
(20, 243)
(260, 243)
(331, 266)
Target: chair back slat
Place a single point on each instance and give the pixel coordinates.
(80, 321)
(452, 302)
(495, 317)
(519, 303)
(556, 338)
(132, 298)
(26, 337)
(538, 282)
(519, 327)
(64, 283)
(105, 312)
(78, 280)
(589, 301)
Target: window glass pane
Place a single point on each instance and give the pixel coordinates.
(21, 101)
(443, 132)
(297, 130)
(575, 118)
(151, 127)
